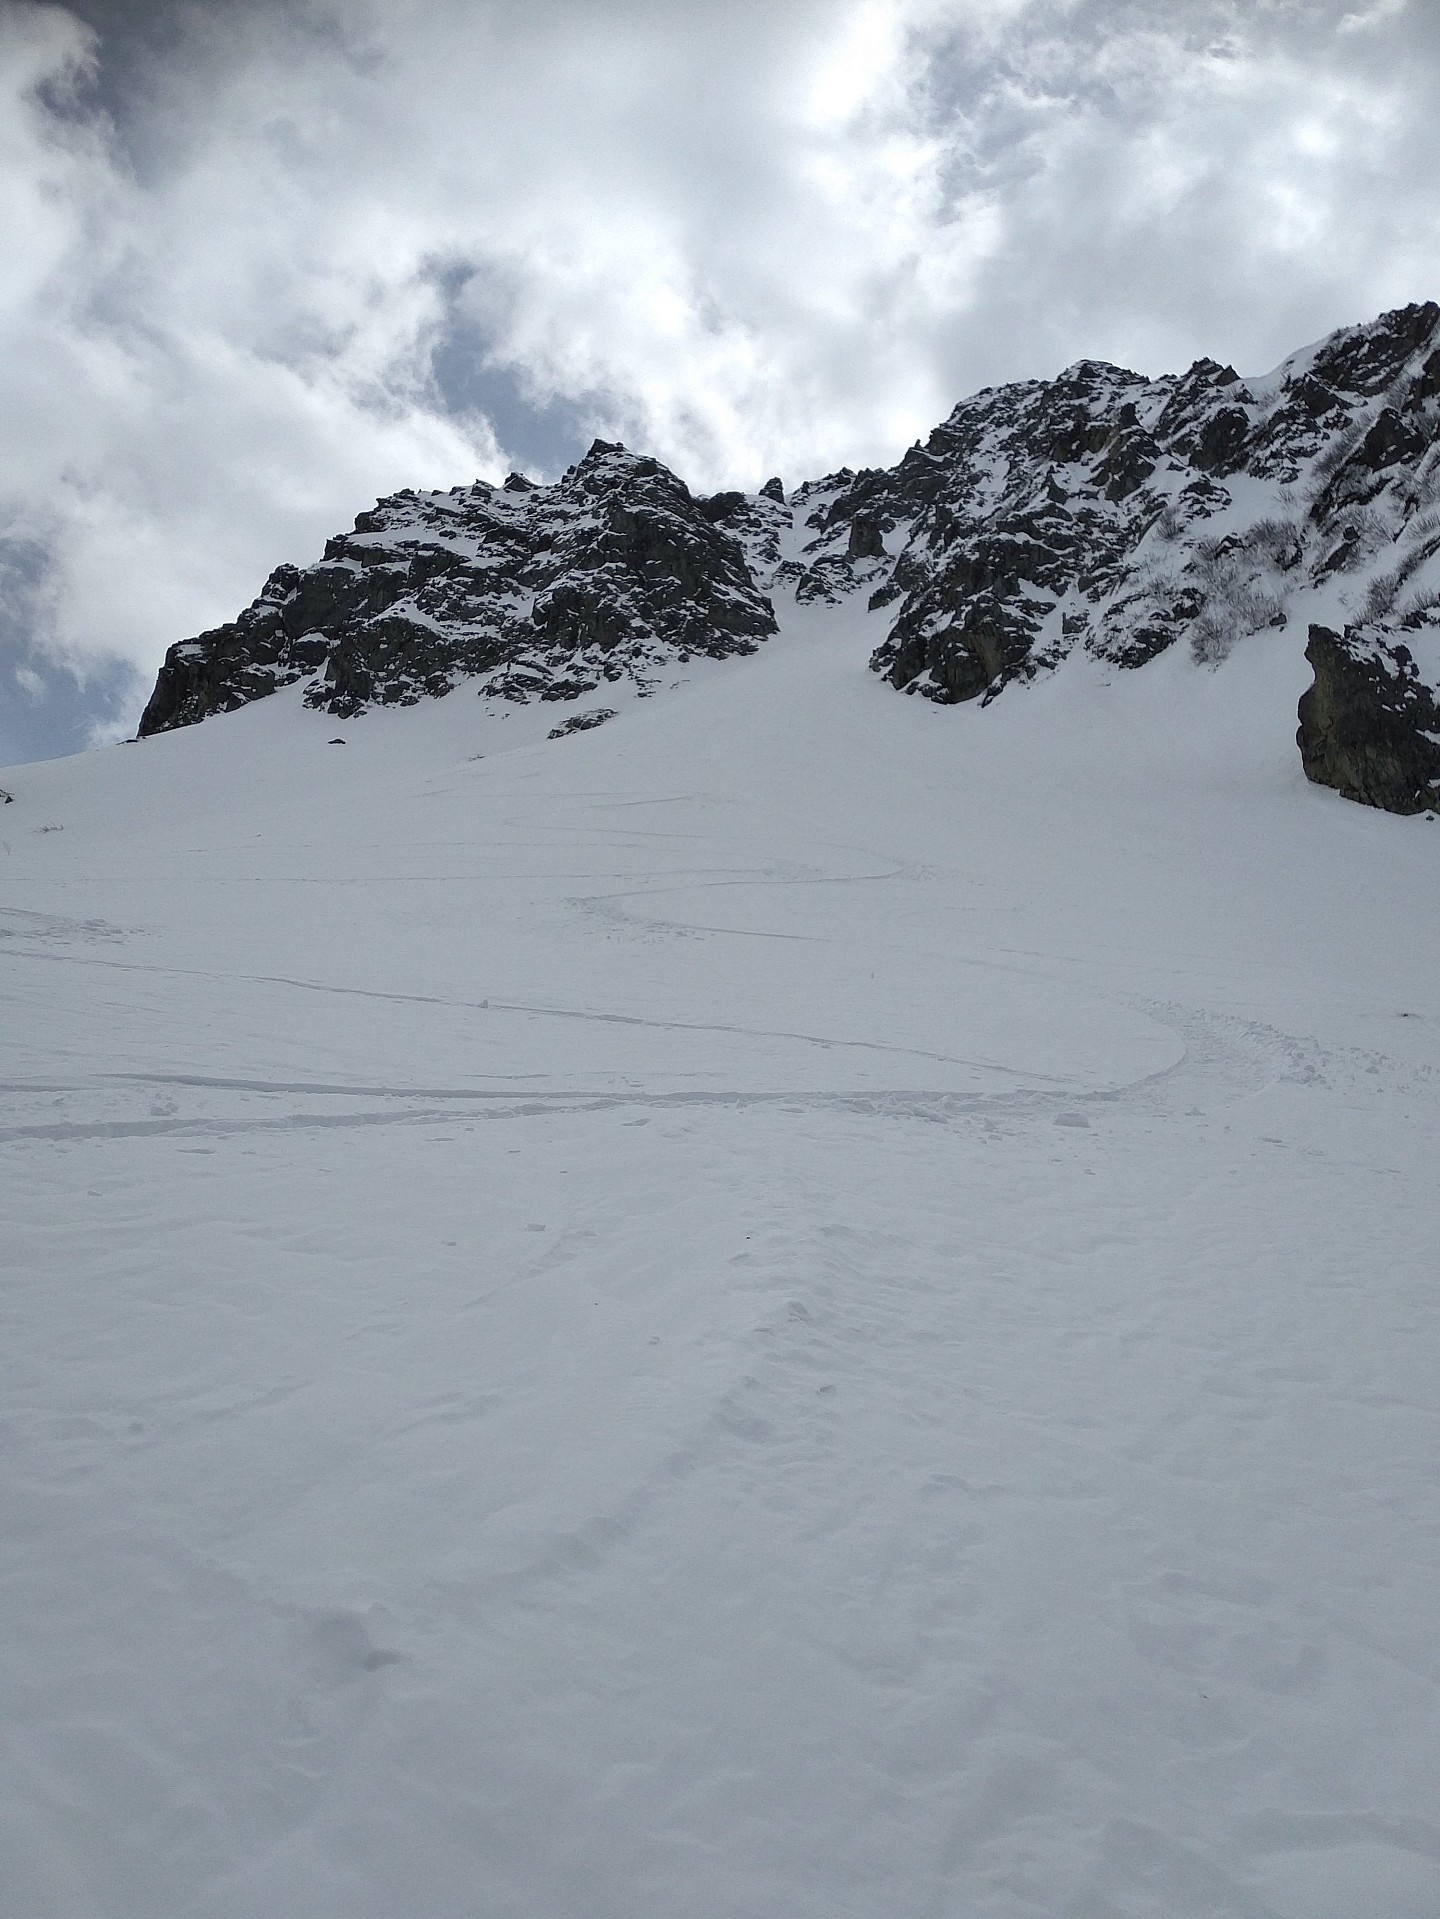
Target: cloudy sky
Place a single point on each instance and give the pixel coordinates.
(262, 262)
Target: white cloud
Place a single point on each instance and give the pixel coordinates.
(749, 237)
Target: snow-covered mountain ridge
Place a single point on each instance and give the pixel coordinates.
(1101, 512)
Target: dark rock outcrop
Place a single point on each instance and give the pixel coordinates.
(531, 591)
(581, 722)
(1370, 725)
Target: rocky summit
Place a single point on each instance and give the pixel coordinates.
(1101, 511)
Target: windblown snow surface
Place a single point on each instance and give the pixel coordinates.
(798, 1305)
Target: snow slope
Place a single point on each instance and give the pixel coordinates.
(802, 1304)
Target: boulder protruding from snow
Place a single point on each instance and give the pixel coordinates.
(1370, 724)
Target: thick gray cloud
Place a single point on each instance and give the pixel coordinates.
(265, 261)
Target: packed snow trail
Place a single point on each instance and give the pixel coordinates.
(796, 1304)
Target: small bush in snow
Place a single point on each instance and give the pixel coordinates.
(1171, 523)
(1277, 541)
(1333, 456)
(1418, 606)
(1380, 596)
(1234, 578)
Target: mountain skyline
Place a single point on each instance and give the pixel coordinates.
(271, 261)
(1097, 513)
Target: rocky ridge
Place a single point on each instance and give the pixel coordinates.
(1100, 511)
(1108, 512)
(531, 592)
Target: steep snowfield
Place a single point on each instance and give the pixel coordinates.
(801, 1305)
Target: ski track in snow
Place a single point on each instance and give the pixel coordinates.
(869, 1352)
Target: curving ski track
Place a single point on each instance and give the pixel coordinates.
(872, 1352)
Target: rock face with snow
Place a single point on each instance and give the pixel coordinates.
(1101, 511)
(1108, 512)
(532, 591)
